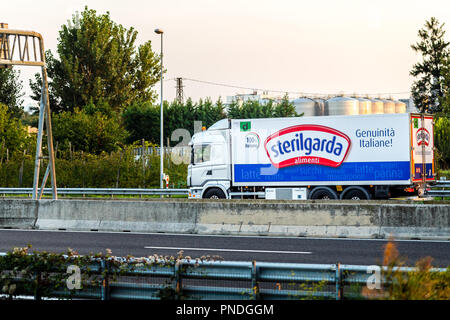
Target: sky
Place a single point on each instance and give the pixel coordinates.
(296, 46)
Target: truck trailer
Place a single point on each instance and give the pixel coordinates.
(358, 157)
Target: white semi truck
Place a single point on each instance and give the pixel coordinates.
(331, 157)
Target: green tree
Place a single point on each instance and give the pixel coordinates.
(12, 133)
(442, 121)
(208, 113)
(252, 109)
(442, 141)
(56, 105)
(141, 120)
(99, 62)
(178, 116)
(445, 99)
(427, 88)
(285, 108)
(11, 91)
(92, 133)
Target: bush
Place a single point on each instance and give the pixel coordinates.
(45, 274)
(421, 283)
(78, 169)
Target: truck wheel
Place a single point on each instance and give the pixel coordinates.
(323, 193)
(214, 194)
(355, 193)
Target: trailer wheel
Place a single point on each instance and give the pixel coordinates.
(355, 193)
(214, 193)
(323, 193)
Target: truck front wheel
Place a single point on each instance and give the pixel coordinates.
(214, 194)
(323, 193)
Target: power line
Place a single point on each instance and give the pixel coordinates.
(232, 86)
(287, 92)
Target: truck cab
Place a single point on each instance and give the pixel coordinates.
(209, 171)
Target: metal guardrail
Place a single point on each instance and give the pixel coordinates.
(99, 191)
(228, 280)
(440, 189)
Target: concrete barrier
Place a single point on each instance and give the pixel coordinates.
(135, 216)
(18, 214)
(369, 219)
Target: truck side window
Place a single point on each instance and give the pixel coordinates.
(202, 153)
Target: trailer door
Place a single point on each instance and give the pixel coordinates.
(422, 148)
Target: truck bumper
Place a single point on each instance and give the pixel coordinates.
(195, 193)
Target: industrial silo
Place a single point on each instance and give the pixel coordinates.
(342, 106)
(377, 106)
(325, 107)
(365, 106)
(400, 107)
(388, 106)
(306, 106)
(320, 107)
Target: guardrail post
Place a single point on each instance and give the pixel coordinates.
(178, 283)
(255, 285)
(37, 284)
(105, 280)
(338, 280)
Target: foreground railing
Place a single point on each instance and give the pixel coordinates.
(194, 279)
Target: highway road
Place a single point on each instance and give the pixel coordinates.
(231, 248)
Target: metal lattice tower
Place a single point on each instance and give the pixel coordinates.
(26, 48)
(180, 94)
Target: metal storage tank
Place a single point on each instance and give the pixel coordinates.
(342, 106)
(400, 107)
(388, 106)
(365, 106)
(377, 106)
(306, 106)
(325, 106)
(320, 107)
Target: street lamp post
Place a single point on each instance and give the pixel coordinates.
(161, 145)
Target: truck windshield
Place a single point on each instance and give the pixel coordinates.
(201, 153)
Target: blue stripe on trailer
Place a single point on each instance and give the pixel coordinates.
(348, 171)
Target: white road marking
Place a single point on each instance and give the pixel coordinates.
(229, 250)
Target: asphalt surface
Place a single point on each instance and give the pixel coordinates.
(231, 248)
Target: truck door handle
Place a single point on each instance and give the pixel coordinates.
(209, 173)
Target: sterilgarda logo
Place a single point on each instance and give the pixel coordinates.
(423, 137)
(307, 144)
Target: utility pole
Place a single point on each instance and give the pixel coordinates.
(180, 94)
(161, 147)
